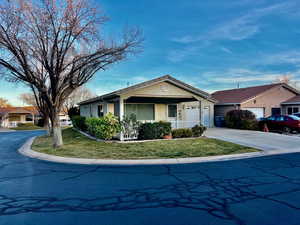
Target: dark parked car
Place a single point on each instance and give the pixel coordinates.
(286, 124)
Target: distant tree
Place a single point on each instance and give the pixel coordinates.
(80, 94)
(4, 103)
(34, 99)
(56, 47)
(287, 79)
(28, 99)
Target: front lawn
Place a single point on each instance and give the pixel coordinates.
(27, 127)
(79, 146)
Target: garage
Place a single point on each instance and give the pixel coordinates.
(258, 112)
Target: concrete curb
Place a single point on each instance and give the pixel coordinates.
(27, 151)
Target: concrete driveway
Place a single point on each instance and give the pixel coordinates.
(257, 191)
(268, 142)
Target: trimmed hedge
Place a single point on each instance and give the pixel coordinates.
(149, 131)
(198, 130)
(79, 122)
(25, 124)
(241, 119)
(182, 133)
(105, 127)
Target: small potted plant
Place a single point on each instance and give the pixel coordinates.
(166, 130)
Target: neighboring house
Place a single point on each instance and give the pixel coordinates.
(262, 100)
(161, 99)
(12, 116)
(291, 106)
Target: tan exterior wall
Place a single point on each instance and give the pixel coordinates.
(159, 90)
(110, 108)
(160, 112)
(269, 99)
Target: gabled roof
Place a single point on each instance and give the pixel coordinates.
(166, 78)
(293, 100)
(240, 95)
(21, 110)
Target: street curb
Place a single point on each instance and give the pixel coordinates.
(27, 151)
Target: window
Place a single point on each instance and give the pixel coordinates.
(292, 110)
(172, 111)
(280, 118)
(100, 111)
(141, 111)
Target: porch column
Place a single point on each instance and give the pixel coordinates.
(200, 112)
(121, 114)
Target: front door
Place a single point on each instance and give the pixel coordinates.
(206, 116)
(172, 115)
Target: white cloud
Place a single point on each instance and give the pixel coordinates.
(227, 50)
(240, 75)
(240, 28)
(179, 55)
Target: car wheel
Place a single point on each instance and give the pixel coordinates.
(287, 130)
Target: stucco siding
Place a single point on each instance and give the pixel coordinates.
(160, 112)
(162, 89)
(269, 99)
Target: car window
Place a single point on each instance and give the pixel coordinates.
(280, 118)
(294, 117)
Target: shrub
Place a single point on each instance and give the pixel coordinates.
(105, 127)
(40, 122)
(79, 122)
(74, 111)
(182, 133)
(198, 130)
(155, 130)
(165, 128)
(25, 124)
(241, 119)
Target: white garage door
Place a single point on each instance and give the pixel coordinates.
(258, 112)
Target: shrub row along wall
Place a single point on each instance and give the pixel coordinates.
(108, 126)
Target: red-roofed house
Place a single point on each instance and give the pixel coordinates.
(11, 116)
(262, 100)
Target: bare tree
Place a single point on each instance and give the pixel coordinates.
(56, 47)
(4, 103)
(28, 99)
(80, 94)
(34, 99)
(287, 79)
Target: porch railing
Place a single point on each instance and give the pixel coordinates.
(132, 134)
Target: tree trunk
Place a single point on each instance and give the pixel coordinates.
(47, 126)
(57, 134)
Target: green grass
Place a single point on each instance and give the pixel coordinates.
(27, 127)
(79, 146)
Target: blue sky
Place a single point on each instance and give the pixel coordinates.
(212, 45)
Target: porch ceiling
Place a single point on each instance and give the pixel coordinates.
(158, 100)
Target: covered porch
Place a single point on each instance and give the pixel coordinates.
(181, 112)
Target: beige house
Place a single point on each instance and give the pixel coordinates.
(11, 116)
(263, 101)
(161, 99)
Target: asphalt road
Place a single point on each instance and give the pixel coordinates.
(258, 191)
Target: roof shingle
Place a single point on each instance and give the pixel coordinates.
(237, 96)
